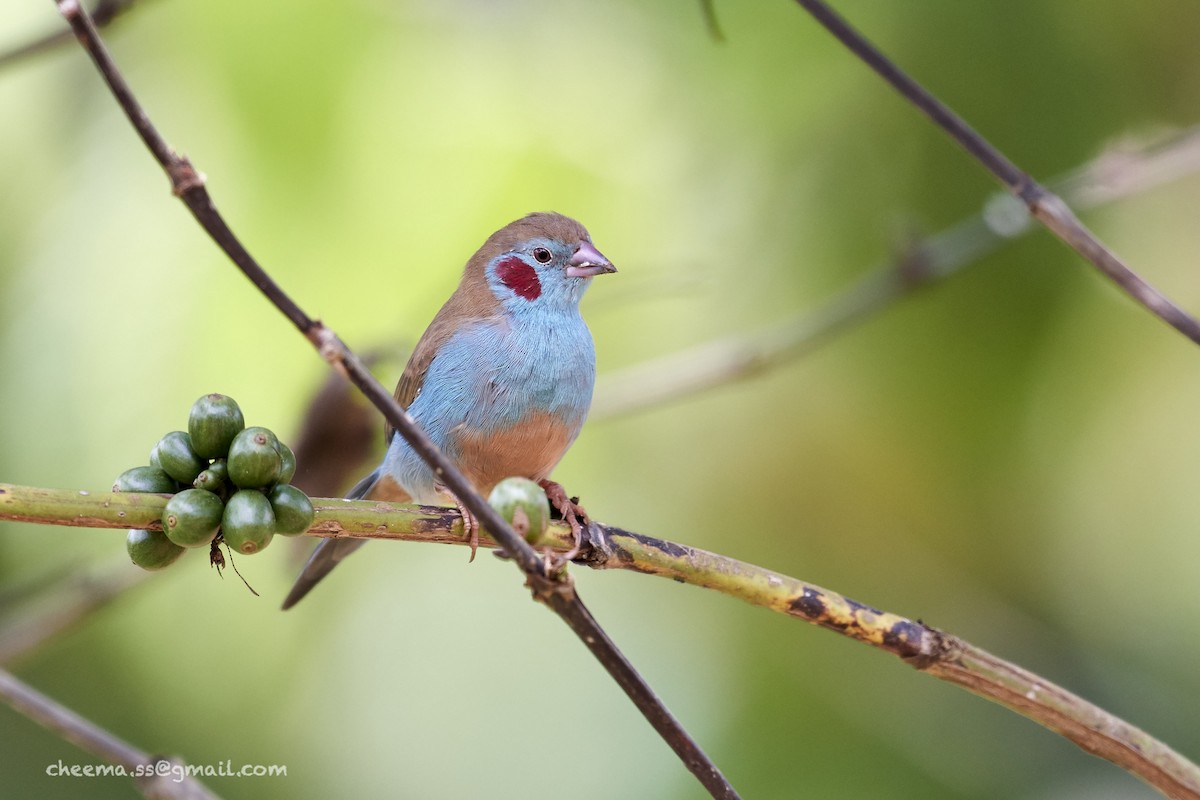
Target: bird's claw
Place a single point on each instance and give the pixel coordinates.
(470, 527)
(572, 513)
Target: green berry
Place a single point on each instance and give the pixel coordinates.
(254, 459)
(293, 510)
(524, 505)
(178, 458)
(151, 550)
(212, 423)
(144, 479)
(288, 469)
(249, 522)
(191, 518)
(215, 478)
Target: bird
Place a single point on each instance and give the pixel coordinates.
(501, 380)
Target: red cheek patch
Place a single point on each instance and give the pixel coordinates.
(520, 277)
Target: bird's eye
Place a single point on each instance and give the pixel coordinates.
(542, 255)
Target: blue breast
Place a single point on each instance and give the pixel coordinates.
(490, 376)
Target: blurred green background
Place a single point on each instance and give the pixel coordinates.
(1011, 456)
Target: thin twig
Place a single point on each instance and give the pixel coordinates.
(708, 10)
(65, 603)
(560, 596)
(1047, 207)
(1115, 174)
(723, 361)
(104, 13)
(154, 777)
(605, 547)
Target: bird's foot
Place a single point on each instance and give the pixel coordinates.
(571, 512)
(470, 526)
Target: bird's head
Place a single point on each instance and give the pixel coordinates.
(544, 260)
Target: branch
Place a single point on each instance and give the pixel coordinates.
(1113, 175)
(923, 647)
(711, 364)
(69, 599)
(1047, 207)
(559, 595)
(154, 777)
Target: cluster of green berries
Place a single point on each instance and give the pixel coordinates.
(224, 479)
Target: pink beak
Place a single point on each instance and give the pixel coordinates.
(588, 262)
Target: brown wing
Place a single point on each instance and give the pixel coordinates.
(472, 300)
(422, 356)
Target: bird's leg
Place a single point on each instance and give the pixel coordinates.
(470, 524)
(571, 512)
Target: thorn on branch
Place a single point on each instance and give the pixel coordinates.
(184, 177)
(914, 265)
(329, 346)
(544, 587)
(69, 9)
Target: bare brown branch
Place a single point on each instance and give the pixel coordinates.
(151, 780)
(1047, 207)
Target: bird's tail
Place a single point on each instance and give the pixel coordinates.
(330, 552)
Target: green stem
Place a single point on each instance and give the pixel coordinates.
(926, 648)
